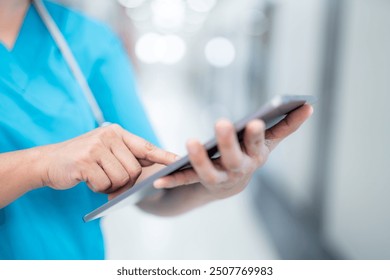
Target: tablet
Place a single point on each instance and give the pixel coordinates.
(271, 113)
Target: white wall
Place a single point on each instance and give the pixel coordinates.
(295, 69)
(358, 202)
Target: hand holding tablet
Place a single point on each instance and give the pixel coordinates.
(229, 174)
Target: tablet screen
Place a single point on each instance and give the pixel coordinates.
(271, 113)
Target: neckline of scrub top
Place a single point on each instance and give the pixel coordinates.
(20, 63)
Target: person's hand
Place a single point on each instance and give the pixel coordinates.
(230, 173)
(108, 159)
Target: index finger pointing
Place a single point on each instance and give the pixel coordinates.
(145, 150)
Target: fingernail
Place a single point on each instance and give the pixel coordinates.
(223, 127)
(193, 150)
(158, 184)
(311, 110)
(224, 131)
(261, 125)
(192, 147)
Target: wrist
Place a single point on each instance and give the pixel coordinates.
(38, 167)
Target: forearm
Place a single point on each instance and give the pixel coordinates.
(20, 172)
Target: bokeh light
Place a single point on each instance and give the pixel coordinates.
(155, 48)
(168, 14)
(201, 6)
(174, 51)
(220, 52)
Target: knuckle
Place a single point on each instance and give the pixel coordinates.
(234, 165)
(197, 159)
(115, 127)
(80, 166)
(120, 180)
(169, 157)
(294, 129)
(261, 159)
(76, 174)
(257, 143)
(133, 177)
(211, 179)
(93, 148)
(180, 178)
(149, 147)
(110, 131)
(106, 183)
(124, 179)
(237, 175)
(268, 143)
(102, 185)
(136, 171)
(187, 180)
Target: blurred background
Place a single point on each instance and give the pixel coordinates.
(324, 193)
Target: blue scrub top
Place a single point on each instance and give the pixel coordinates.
(41, 103)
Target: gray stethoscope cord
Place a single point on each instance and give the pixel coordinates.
(70, 60)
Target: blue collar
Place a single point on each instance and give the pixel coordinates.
(30, 52)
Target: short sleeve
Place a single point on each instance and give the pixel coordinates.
(113, 84)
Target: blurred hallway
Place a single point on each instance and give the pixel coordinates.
(324, 192)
